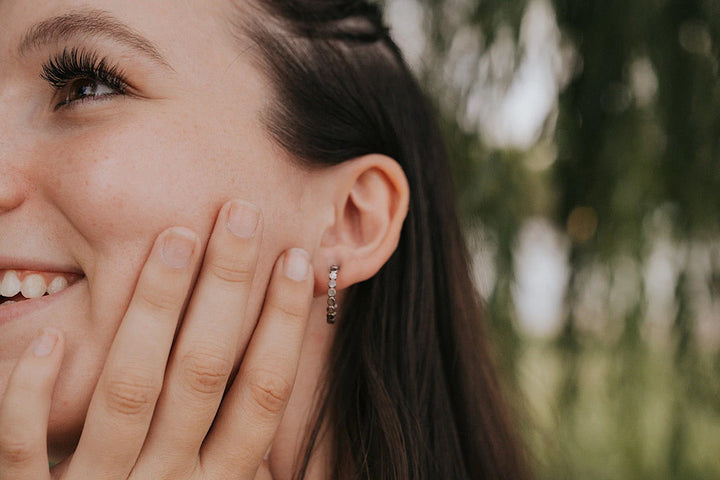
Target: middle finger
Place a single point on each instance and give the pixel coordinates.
(204, 352)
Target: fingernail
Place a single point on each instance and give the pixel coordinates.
(178, 247)
(296, 264)
(243, 219)
(44, 344)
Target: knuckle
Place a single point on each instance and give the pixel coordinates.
(206, 372)
(160, 301)
(270, 391)
(240, 272)
(292, 311)
(15, 448)
(131, 395)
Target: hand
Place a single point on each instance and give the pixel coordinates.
(159, 410)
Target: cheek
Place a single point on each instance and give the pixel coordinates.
(121, 186)
(116, 185)
(120, 183)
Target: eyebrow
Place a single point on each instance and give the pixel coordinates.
(92, 24)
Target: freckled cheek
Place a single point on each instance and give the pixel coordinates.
(127, 184)
(131, 183)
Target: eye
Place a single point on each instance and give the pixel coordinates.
(82, 89)
(80, 76)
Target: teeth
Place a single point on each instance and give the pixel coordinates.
(33, 286)
(58, 284)
(10, 285)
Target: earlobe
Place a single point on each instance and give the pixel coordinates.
(370, 196)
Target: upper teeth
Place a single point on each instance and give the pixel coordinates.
(33, 285)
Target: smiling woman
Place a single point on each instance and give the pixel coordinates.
(211, 181)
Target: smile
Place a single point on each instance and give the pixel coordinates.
(20, 285)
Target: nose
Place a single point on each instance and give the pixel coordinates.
(12, 191)
(13, 184)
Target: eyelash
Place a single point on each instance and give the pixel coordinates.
(62, 70)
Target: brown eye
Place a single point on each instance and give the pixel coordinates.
(85, 88)
(77, 76)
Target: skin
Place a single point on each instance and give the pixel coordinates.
(91, 186)
(142, 350)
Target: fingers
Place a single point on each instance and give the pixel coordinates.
(264, 472)
(123, 403)
(26, 407)
(150, 416)
(253, 407)
(206, 347)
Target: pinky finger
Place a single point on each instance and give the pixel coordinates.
(25, 409)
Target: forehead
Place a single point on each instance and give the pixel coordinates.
(181, 31)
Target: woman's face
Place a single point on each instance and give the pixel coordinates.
(95, 166)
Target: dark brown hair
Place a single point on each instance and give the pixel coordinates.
(411, 393)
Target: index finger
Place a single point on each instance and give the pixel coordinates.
(124, 400)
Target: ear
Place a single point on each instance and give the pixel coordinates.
(370, 196)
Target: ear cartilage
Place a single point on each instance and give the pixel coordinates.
(331, 302)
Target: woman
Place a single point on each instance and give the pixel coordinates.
(179, 181)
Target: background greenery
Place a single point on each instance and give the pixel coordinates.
(594, 126)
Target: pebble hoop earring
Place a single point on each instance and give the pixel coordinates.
(331, 302)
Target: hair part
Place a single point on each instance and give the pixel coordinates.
(412, 392)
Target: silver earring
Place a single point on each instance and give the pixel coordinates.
(331, 302)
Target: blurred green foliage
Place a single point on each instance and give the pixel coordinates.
(625, 167)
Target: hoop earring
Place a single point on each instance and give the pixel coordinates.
(331, 303)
